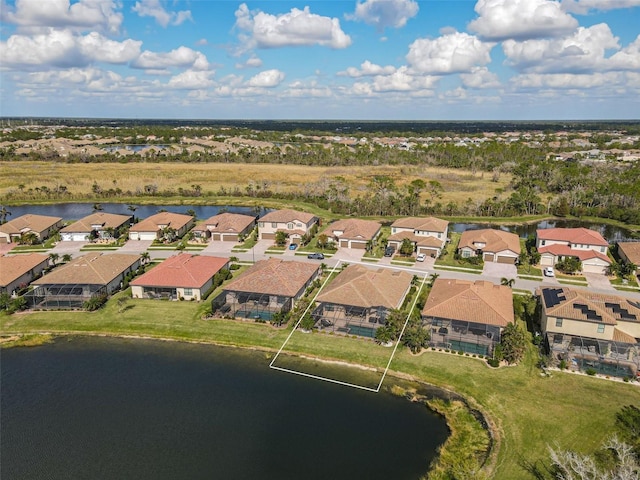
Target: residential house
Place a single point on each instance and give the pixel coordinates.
(70, 285)
(183, 276)
(630, 253)
(493, 245)
(359, 299)
(42, 226)
(18, 271)
(353, 233)
(428, 234)
(467, 316)
(295, 224)
(592, 330)
(225, 227)
(153, 227)
(554, 244)
(266, 288)
(98, 225)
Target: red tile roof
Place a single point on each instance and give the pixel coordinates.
(559, 250)
(581, 236)
(183, 270)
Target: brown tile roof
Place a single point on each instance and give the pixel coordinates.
(150, 224)
(583, 236)
(579, 305)
(623, 337)
(631, 250)
(495, 240)
(226, 223)
(183, 270)
(13, 267)
(105, 220)
(29, 222)
(366, 287)
(428, 241)
(478, 302)
(560, 250)
(353, 229)
(274, 277)
(94, 268)
(431, 224)
(287, 215)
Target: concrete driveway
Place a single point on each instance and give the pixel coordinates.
(598, 281)
(135, 246)
(219, 248)
(499, 270)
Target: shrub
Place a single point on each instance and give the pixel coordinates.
(590, 371)
(563, 364)
(494, 362)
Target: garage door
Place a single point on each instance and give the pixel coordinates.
(505, 259)
(546, 261)
(430, 252)
(488, 257)
(358, 245)
(229, 237)
(148, 235)
(586, 268)
(134, 236)
(215, 237)
(4, 240)
(268, 236)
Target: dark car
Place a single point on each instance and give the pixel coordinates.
(316, 256)
(389, 251)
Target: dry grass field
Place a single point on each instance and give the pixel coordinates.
(458, 185)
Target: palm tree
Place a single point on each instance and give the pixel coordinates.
(4, 213)
(432, 279)
(66, 257)
(29, 238)
(507, 282)
(145, 257)
(53, 257)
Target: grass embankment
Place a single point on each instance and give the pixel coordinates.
(457, 185)
(530, 411)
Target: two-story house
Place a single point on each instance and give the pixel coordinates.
(428, 235)
(295, 224)
(587, 245)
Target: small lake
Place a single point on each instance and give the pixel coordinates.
(100, 408)
(74, 211)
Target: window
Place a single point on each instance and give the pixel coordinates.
(466, 253)
(290, 226)
(439, 235)
(543, 242)
(274, 225)
(188, 292)
(261, 224)
(601, 328)
(602, 249)
(558, 322)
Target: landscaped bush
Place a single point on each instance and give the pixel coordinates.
(494, 362)
(590, 371)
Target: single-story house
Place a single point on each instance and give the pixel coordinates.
(358, 300)
(592, 329)
(18, 271)
(181, 276)
(73, 283)
(467, 316)
(42, 226)
(494, 245)
(630, 253)
(97, 225)
(295, 224)
(268, 287)
(225, 227)
(428, 234)
(153, 227)
(353, 233)
(554, 244)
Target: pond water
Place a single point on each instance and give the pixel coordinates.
(74, 211)
(103, 408)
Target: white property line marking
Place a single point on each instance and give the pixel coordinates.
(331, 380)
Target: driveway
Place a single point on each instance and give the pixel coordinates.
(135, 246)
(598, 281)
(71, 248)
(219, 248)
(499, 270)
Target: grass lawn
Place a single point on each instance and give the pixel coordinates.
(449, 260)
(530, 411)
(528, 270)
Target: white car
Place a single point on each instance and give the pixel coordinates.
(548, 272)
(421, 257)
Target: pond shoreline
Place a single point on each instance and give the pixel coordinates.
(409, 386)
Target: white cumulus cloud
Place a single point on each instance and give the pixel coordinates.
(155, 9)
(581, 52)
(480, 77)
(182, 57)
(385, 13)
(267, 79)
(296, 28)
(31, 15)
(628, 58)
(584, 6)
(452, 53)
(192, 80)
(521, 19)
(367, 69)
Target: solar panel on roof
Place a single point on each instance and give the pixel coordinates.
(552, 296)
(623, 312)
(589, 313)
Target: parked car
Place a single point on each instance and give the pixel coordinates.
(316, 256)
(548, 272)
(293, 246)
(421, 257)
(389, 251)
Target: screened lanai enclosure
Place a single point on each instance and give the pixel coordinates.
(606, 357)
(459, 335)
(255, 306)
(348, 319)
(67, 296)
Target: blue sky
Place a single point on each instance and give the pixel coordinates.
(329, 59)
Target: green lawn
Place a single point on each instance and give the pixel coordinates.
(530, 411)
(449, 260)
